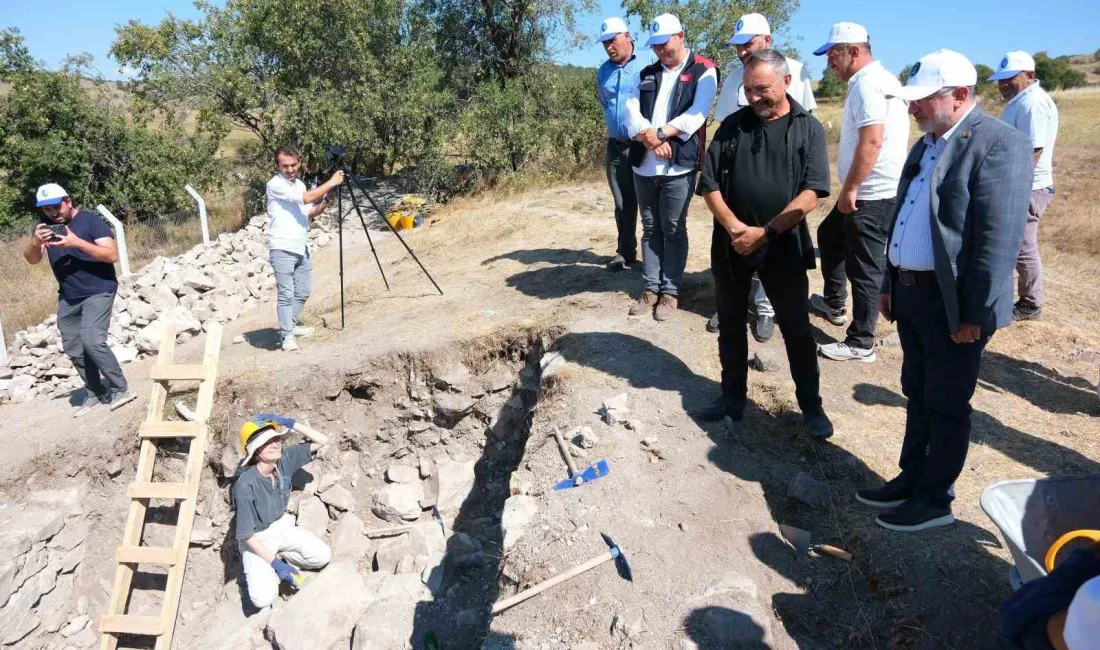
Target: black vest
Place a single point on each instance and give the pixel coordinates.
(685, 153)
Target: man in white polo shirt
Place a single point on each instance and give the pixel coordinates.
(753, 34)
(874, 134)
(1031, 110)
(288, 244)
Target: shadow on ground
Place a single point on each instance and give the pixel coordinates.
(1044, 387)
(265, 339)
(937, 589)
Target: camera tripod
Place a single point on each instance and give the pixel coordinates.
(349, 180)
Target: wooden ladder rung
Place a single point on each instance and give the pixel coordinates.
(169, 429)
(179, 372)
(127, 624)
(178, 491)
(146, 555)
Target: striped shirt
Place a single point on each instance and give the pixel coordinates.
(911, 245)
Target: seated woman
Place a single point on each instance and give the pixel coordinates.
(272, 546)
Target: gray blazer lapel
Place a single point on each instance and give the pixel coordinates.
(954, 145)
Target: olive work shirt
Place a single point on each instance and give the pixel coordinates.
(759, 168)
(261, 500)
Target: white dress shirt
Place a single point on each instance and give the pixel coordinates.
(866, 105)
(289, 216)
(1034, 112)
(910, 247)
(732, 97)
(687, 122)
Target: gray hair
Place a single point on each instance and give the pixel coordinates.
(772, 58)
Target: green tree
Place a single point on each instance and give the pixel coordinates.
(831, 85)
(1056, 73)
(54, 129)
(708, 24)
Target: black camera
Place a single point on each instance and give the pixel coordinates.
(58, 230)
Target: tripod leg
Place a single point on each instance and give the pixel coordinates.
(392, 229)
(340, 238)
(366, 230)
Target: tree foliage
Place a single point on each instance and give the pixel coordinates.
(831, 85)
(1056, 73)
(67, 128)
(708, 24)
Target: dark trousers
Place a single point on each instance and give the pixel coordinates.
(620, 177)
(853, 249)
(938, 377)
(83, 325)
(664, 202)
(787, 285)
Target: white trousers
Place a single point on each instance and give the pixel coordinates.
(295, 545)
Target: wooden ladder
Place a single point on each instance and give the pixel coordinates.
(153, 430)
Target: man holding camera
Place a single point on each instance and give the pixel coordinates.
(82, 253)
(289, 211)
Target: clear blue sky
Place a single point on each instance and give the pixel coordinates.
(900, 31)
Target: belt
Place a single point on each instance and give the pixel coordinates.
(621, 142)
(916, 278)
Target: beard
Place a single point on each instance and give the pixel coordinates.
(765, 108)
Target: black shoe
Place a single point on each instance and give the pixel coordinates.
(818, 425)
(763, 328)
(617, 263)
(915, 514)
(720, 409)
(712, 324)
(1024, 311)
(893, 494)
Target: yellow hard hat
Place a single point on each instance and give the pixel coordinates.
(249, 431)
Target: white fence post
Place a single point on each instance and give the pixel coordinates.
(202, 214)
(3, 347)
(120, 232)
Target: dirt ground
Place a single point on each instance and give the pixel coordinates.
(703, 506)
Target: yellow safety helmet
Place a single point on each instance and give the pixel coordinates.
(254, 435)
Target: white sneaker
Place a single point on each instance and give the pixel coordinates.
(845, 352)
(289, 344)
(301, 331)
(818, 305)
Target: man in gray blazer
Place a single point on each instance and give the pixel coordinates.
(951, 251)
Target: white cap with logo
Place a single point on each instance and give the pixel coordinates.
(50, 194)
(936, 71)
(611, 28)
(1013, 64)
(663, 28)
(748, 26)
(844, 33)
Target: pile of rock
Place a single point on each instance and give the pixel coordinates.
(41, 549)
(204, 285)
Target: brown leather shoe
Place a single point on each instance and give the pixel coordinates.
(645, 303)
(666, 307)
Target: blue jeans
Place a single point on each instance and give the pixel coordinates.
(294, 279)
(664, 201)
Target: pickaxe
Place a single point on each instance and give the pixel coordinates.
(614, 554)
(591, 473)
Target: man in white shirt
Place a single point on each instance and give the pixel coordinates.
(666, 117)
(1031, 110)
(288, 245)
(753, 34)
(874, 135)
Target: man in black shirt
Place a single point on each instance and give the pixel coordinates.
(764, 171)
(82, 254)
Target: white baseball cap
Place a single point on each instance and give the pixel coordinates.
(844, 33)
(611, 28)
(50, 194)
(663, 28)
(748, 26)
(935, 71)
(1013, 64)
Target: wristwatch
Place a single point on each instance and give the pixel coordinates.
(661, 135)
(770, 233)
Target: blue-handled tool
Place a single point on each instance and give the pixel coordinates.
(590, 473)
